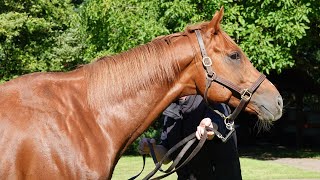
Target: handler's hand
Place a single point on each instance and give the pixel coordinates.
(143, 147)
(200, 129)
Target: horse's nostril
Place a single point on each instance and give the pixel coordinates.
(280, 101)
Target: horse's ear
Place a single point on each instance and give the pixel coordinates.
(214, 25)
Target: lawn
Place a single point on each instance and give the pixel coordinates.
(252, 169)
(129, 166)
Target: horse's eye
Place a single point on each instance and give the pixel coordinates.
(234, 56)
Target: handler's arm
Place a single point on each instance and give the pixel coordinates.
(159, 150)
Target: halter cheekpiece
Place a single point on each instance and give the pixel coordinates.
(245, 94)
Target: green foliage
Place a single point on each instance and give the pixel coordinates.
(43, 35)
(307, 52)
(115, 26)
(266, 30)
(273, 31)
(37, 35)
(57, 35)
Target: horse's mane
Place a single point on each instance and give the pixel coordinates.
(133, 70)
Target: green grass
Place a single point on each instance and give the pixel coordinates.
(129, 166)
(252, 169)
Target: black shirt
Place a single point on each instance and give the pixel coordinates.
(216, 160)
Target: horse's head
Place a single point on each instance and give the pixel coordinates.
(232, 74)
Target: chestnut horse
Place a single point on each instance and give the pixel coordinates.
(76, 125)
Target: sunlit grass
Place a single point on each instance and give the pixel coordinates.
(252, 169)
(129, 166)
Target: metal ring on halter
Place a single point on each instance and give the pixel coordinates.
(229, 125)
(206, 61)
(246, 95)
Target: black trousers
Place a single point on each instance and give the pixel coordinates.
(215, 161)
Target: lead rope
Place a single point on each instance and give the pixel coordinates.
(187, 141)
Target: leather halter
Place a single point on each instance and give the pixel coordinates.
(245, 94)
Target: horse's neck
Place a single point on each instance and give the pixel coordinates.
(131, 114)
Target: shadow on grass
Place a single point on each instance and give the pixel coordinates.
(271, 152)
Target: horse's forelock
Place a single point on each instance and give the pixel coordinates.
(192, 28)
(225, 39)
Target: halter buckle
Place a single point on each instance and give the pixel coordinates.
(211, 77)
(206, 61)
(246, 95)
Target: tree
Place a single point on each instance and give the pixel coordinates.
(307, 53)
(45, 35)
(266, 30)
(114, 26)
(37, 35)
(50, 36)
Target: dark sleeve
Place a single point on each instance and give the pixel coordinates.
(217, 118)
(173, 111)
(168, 125)
(170, 115)
(190, 103)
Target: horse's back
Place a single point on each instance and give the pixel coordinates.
(39, 127)
(32, 98)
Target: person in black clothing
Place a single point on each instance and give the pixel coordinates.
(216, 160)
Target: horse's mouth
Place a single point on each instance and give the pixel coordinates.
(263, 113)
(265, 117)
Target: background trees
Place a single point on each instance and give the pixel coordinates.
(37, 35)
(114, 26)
(58, 35)
(307, 52)
(268, 31)
(276, 35)
(43, 35)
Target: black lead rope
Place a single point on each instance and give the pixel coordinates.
(144, 163)
(187, 142)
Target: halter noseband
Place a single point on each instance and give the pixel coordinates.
(245, 94)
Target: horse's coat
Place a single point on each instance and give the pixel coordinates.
(76, 125)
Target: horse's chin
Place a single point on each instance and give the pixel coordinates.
(264, 114)
(265, 118)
